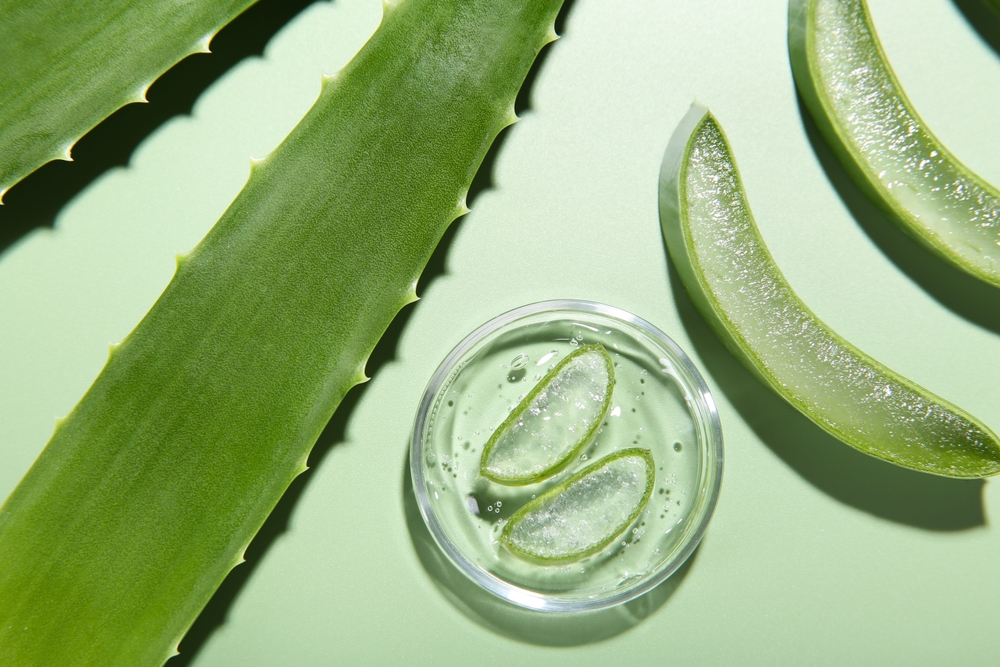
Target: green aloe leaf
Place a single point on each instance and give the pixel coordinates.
(736, 285)
(863, 113)
(150, 490)
(556, 419)
(69, 65)
(584, 514)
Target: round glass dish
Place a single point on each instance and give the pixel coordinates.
(660, 402)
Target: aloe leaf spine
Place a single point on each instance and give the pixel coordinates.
(865, 116)
(150, 490)
(69, 65)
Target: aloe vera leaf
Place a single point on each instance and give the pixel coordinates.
(553, 422)
(736, 285)
(865, 116)
(585, 513)
(152, 487)
(69, 65)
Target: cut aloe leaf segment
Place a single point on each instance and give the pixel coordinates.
(736, 285)
(863, 113)
(584, 514)
(553, 422)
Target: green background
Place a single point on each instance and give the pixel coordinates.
(816, 555)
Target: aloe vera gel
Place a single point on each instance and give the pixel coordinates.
(736, 285)
(621, 456)
(554, 421)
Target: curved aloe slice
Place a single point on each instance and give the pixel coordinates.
(555, 420)
(150, 490)
(69, 65)
(584, 514)
(866, 118)
(734, 282)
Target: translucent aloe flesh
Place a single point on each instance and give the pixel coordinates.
(554, 421)
(152, 487)
(66, 66)
(584, 514)
(733, 280)
(863, 113)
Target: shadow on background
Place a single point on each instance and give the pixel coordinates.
(36, 201)
(525, 625)
(983, 20)
(967, 297)
(868, 484)
(215, 613)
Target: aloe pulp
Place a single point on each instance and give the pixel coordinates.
(554, 421)
(738, 288)
(584, 514)
(865, 116)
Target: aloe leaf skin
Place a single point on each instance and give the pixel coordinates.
(554, 421)
(69, 65)
(579, 517)
(150, 490)
(736, 285)
(864, 114)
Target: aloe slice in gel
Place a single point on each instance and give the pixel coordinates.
(553, 422)
(584, 514)
(891, 154)
(734, 282)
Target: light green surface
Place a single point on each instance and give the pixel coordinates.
(816, 555)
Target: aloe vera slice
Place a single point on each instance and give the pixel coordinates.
(150, 490)
(733, 280)
(584, 514)
(553, 422)
(68, 65)
(863, 113)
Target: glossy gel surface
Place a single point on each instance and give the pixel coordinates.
(933, 195)
(586, 512)
(558, 417)
(836, 385)
(658, 404)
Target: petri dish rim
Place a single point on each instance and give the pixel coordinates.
(704, 413)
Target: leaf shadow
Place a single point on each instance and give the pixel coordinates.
(216, 612)
(36, 201)
(485, 178)
(984, 20)
(875, 487)
(967, 297)
(525, 625)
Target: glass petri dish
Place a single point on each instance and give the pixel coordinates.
(660, 402)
